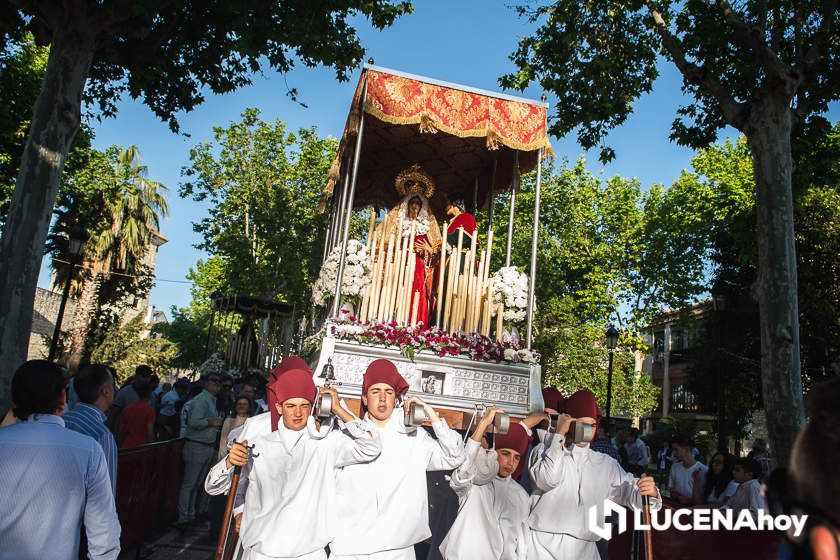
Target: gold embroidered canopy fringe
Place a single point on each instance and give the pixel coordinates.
(454, 132)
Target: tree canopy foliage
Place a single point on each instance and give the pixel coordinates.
(169, 54)
(768, 69)
(262, 185)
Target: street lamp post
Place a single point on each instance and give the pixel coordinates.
(76, 244)
(719, 301)
(612, 342)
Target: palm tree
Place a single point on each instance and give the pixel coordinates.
(132, 205)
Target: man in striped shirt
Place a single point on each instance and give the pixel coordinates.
(95, 387)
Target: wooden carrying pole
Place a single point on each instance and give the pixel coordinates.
(227, 520)
(649, 532)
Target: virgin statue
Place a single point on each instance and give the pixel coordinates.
(417, 187)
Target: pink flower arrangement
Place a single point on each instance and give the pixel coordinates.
(411, 340)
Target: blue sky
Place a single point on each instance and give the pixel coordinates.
(466, 42)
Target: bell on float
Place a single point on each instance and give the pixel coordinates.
(328, 373)
(324, 404)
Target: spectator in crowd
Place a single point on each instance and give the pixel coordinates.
(664, 458)
(224, 400)
(242, 411)
(813, 480)
(138, 420)
(202, 425)
(96, 389)
(54, 479)
(760, 453)
(127, 395)
(748, 495)
(248, 391)
(681, 479)
(719, 486)
(169, 416)
(602, 443)
(157, 394)
(638, 456)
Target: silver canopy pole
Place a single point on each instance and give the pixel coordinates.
(514, 186)
(342, 209)
(534, 239)
(330, 227)
(349, 207)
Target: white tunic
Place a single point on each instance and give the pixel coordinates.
(567, 481)
(290, 506)
(492, 520)
(748, 496)
(383, 505)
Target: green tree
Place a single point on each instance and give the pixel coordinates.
(127, 346)
(22, 68)
(724, 186)
(114, 198)
(262, 185)
(169, 54)
(763, 68)
(603, 256)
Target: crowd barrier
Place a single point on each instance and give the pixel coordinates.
(148, 480)
(698, 545)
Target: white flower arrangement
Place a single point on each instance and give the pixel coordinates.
(356, 277)
(510, 288)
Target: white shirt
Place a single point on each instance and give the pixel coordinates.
(168, 402)
(748, 496)
(637, 453)
(714, 500)
(291, 485)
(53, 480)
(383, 505)
(567, 481)
(681, 480)
(492, 522)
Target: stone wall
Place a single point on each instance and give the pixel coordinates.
(43, 321)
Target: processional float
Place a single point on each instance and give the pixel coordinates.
(412, 144)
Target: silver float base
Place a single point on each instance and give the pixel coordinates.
(455, 383)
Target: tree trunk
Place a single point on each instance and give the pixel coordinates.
(768, 133)
(86, 306)
(55, 120)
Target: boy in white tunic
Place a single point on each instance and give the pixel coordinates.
(570, 479)
(383, 505)
(290, 504)
(254, 427)
(492, 520)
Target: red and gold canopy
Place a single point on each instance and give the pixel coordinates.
(455, 132)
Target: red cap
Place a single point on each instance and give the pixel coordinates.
(383, 371)
(295, 383)
(553, 398)
(582, 403)
(287, 364)
(516, 439)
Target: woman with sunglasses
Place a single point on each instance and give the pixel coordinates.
(719, 485)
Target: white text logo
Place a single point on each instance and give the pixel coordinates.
(685, 519)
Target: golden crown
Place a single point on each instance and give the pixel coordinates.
(415, 180)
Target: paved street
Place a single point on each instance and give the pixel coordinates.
(190, 544)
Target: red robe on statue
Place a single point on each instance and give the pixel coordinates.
(423, 278)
